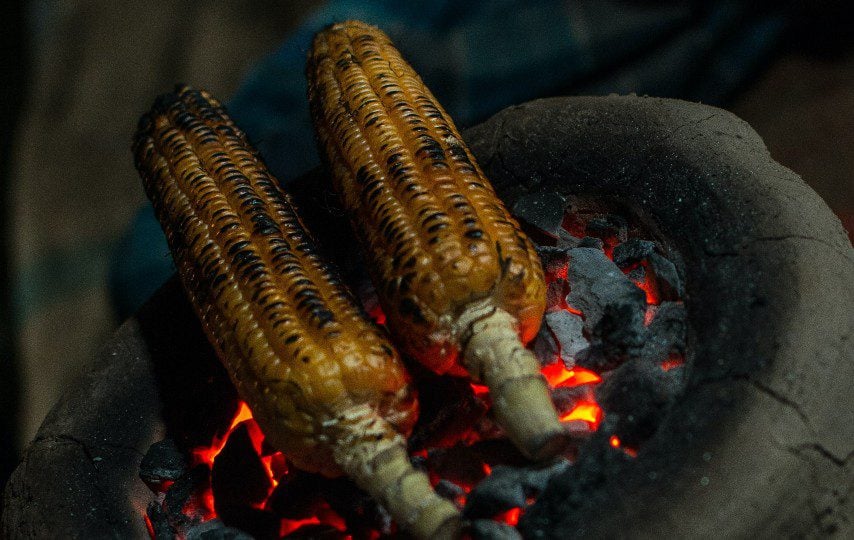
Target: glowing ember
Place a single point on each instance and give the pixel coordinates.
(650, 288)
(615, 442)
(558, 376)
(586, 411)
(510, 517)
(673, 362)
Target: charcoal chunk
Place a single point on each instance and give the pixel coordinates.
(215, 529)
(487, 529)
(544, 346)
(544, 210)
(448, 490)
(556, 294)
(633, 251)
(459, 464)
(613, 309)
(352, 503)
(448, 410)
(257, 523)
(554, 259)
(611, 228)
(568, 330)
(500, 491)
(595, 282)
(620, 334)
(297, 496)
(536, 478)
(239, 477)
(163, 461)
(566, 397)
(159, 521)
(183, 491)
(666, 277)
(637, 395)
(591, 242)
(666, 332)
(565, 240)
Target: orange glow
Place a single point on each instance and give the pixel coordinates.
(149, 526)
(615, 442)
(243, 414)
(290, 525)
(510, 517)
(586, 411)
(649, 287)
(377, 315)
(487, 469)
(558, 376)
(207, 454)
(574, 311)
(480, 390)
(674, 361)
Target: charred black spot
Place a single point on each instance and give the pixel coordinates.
(409, 308)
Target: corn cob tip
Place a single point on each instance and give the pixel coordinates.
(494, 354)
(388, 475)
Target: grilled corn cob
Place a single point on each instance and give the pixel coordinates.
(460, 283)
(324, 383)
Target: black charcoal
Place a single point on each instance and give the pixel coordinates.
(498, 492)
(553, 259)
(352, 503)
(637, 274)
(448, 490)
(215, 529)
(636, 396)
(567, 241)
(159, 522)
(256, 523)
(297, 496)
(448, 410)
(620, 334)
(666, 277)
(460, 464)
(544, 346)
(163, 461)
(556, 294)
(543, 210)
(568, 330)
(611, 228)
(633, 251)
(591, 242)
(613, 309)
(536, 478)
(666, 332)
(596, 282)
(239, 478)
(487, 529)
(566, 397)
(187, 486)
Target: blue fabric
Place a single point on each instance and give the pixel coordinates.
(478, 57)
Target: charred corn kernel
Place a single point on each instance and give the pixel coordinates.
(460, 283)
(325, 384)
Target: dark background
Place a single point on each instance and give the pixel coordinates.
(75, 75)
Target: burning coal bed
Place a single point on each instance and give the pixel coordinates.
(612, 347)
